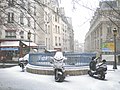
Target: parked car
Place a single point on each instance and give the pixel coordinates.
(24, 58)
(23, 61)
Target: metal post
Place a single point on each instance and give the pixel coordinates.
(115, 63)
(19, 50)
(29, 45)
(29, 36)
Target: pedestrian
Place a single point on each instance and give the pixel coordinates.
(3, 60)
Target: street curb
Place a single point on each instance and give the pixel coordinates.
(7, 65)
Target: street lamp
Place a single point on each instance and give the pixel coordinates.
(115, 34)
(29, 36)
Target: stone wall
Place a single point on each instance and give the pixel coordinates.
(51, 72)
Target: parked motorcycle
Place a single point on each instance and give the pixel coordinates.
(58, 62)
(100, 71)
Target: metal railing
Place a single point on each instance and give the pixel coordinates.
(73, 59)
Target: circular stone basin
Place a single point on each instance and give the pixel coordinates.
(71, 71)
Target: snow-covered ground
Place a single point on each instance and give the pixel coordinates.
(14, 79)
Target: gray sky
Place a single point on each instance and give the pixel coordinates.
(81, 15)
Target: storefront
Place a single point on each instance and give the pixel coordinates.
(9, 49)
(14, 49)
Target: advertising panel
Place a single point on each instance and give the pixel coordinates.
(108, 47)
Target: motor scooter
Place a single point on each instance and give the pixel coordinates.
(99, 72)
(58, 65)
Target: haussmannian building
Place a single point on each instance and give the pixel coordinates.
(99, 38)
(49, 27)
(59, 31)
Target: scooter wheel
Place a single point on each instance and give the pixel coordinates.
(102, 77)
(90, 73)
(59, 78)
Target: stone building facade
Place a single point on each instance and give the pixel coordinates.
(99, 38)
(43, 18)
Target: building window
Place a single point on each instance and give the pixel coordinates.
(21, 18)
(109, 30)
(28, 21)
(55, 28)
(21, 34)
(100, 30)
(58, 20)
(34, 24)
(59, 42)
(46, 16)
(57, 10)
(45, 1)
(10, 2)
(55, 41)
(34, 10)
(49, 29)
(29, 11)
(10, 17)
(58, 29)
(22, 4)
(46, 28)
(10, 34)
(55, 17)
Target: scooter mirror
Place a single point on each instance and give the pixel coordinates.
(65, 58)
(51, 58)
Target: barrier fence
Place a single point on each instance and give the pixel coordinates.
(73, 59)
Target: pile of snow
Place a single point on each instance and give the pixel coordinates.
(14, 79)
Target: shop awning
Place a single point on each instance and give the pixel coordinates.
(16, 44)
(31, 44)
(9, 49)
(9, 43)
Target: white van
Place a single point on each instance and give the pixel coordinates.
(25, 58)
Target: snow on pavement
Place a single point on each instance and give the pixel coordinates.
(13, 79)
